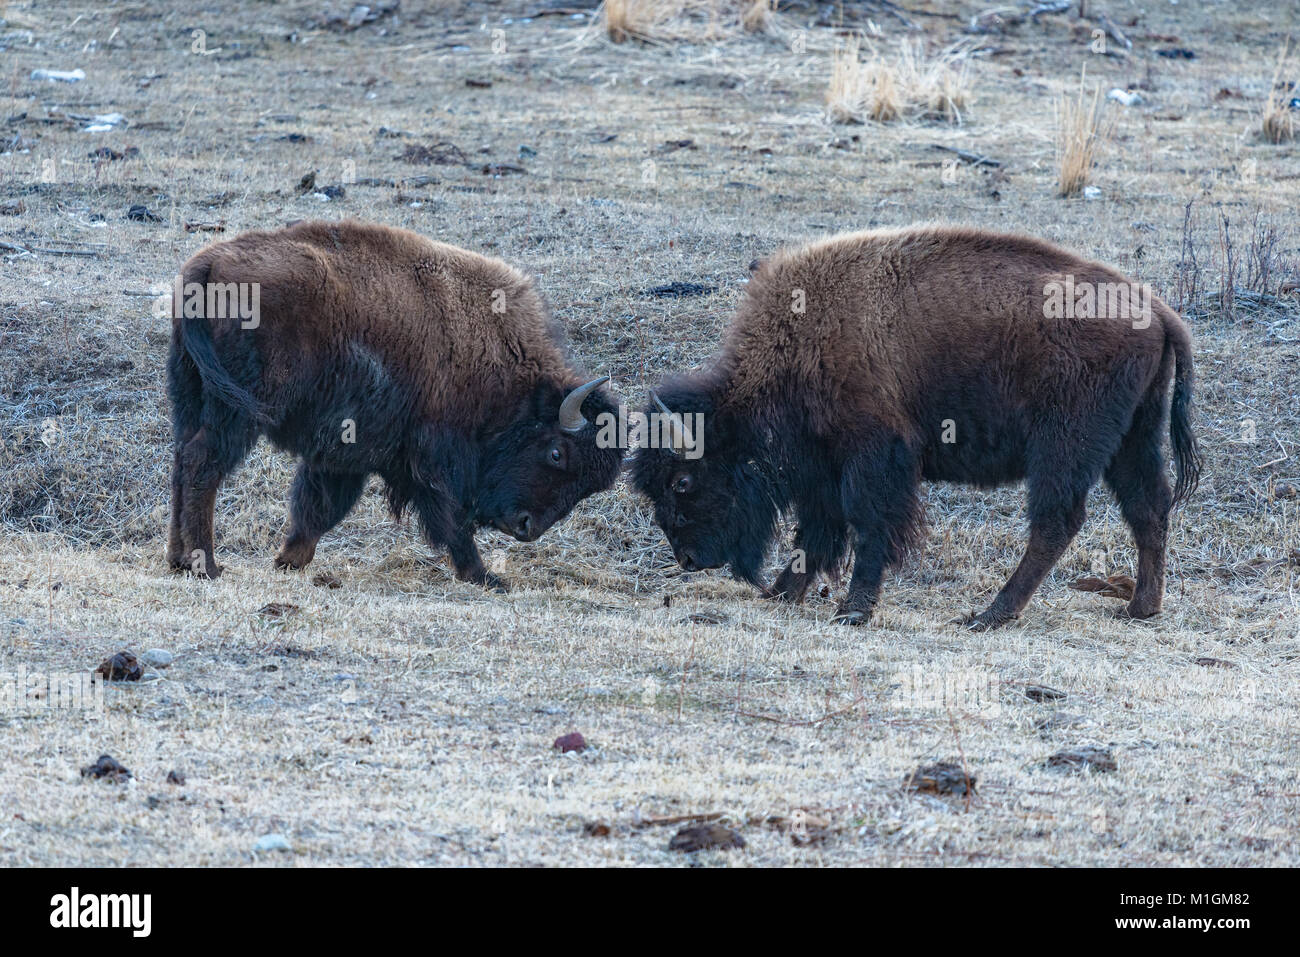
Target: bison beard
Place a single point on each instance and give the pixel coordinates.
(922, 354)
(380, 352)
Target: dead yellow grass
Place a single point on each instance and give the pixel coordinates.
(756, 15)
(1082, 129)
(683, 20)
(910, 85)
(1278, 122)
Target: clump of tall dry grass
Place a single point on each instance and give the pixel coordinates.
(1082, 129)
(667, 20)
(1278, 122)
(634, 19)
(910, 85)
(756, 15)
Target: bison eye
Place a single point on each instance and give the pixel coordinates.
(556, 456)
(683, 484)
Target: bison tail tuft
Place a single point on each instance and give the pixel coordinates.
(1187, 453)
(196, 337)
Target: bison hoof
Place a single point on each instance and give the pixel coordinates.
(985, 621)
(292, 558)
(1134, 612)
(851, 616)
(485, 579)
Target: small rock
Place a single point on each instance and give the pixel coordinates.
(1114, 586)
(570, 742)
(705, 618)
(59, 76)
(705, 837)
(1043, 693)
(123, 666)
(596, 829)
(1091, 192)
(680, 290)
(176, 777)
(278, 609)
(327, 581)
(1059, 720)
(157, 658)
(941, 778)
(272, 842)
(107, 767)
(1125, 97)
(105, 122)
(1083, 759)
(142, 214)
(1214, 663)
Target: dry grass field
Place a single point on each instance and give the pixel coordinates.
(405, 718)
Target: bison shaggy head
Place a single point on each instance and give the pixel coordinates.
(533, 473)
(715, 505)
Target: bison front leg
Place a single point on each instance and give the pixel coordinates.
(880, 502)
(469, 563)
(446, 524)
(819, 544)
(869, 562)
(319, 501)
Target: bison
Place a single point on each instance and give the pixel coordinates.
(859, 365)
(365, 349)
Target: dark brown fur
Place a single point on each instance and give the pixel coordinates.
(837, 413)
(444, 360)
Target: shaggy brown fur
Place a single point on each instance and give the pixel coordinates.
(923, 353)
(377, 350)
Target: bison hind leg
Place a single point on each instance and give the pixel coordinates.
(1057, 495)
(213, 452)
(177, 557)
(320, 499)
(1137, 478)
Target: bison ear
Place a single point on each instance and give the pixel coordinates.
(545, 403)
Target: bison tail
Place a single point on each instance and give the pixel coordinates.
(1187, 453)
(196, 337)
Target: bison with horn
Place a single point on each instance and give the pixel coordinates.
(364, 350)
(860, 365)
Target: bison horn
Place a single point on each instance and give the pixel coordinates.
(675, 427)
(571, 417)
